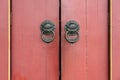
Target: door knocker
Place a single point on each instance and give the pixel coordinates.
(72, 31)
(47, 31)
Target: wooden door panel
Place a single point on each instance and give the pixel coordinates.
(87, 58)
(97, 39)
(32, 59)
(116, 39)
(3, 39)
(74, 55)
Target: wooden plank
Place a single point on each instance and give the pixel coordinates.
(97, 39)
(3, 40)
(88, 58)
(116, 39)
(32, 59)
(74, 55)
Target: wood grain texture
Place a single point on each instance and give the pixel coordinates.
(97, 41)
(74, 55)
(88, 58)
(116, 39)
(32, 59)
(3, 40)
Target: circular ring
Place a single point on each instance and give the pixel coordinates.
(71, 40)
(48, 36)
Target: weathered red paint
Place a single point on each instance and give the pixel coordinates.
(88, 58)
(32, 59)
(73, 55)
(97, 41)
(3, 39)
(116, 39)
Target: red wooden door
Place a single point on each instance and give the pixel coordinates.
(116, 39)
(33, 59)
(3, 39)
(87, 59)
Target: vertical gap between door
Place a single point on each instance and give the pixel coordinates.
(60, 62)
(10, 39)
(108, 39)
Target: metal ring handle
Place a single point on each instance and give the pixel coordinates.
(47, 31)
(72, 31)
(71, 40)
(48, 37)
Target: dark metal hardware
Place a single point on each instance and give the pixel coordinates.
(71, 31)
(47, 31)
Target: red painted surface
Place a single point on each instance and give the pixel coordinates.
(3, 39)
(88, 58)
(97, 41)
(116, 39)
(32, 59)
